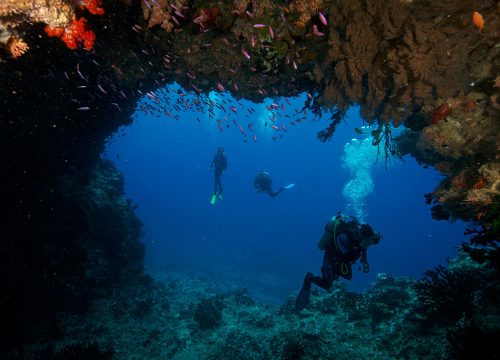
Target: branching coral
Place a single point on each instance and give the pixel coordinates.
(327, 134)
(445, 296)
(457, 298)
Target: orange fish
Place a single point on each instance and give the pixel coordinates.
(478, 20)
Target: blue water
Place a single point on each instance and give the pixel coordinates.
(251, 240)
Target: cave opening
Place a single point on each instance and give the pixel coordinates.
(249, 240)
(72, 72)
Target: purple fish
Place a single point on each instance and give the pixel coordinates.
(322, 18)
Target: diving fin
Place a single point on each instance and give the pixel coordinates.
(304, 295)
(220, 196)
(212, 199)
(289, 186)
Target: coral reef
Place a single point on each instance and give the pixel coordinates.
(459, 298)
(389, 299)
(394, 322)
(306, 9)
(460, 139)
(60, 16)
(392, 60)
(56, 13)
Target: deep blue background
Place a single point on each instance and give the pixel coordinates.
(250, 239)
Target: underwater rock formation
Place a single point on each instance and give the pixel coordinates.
(461, 143)
(419, 63)
(397, 318)
(82, 242)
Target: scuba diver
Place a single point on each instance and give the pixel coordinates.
(219, 164)
(263, 182)
(344, 241)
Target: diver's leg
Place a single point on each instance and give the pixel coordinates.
(271, 194)
(325, 281)
(277, 192)
(305, 293)
(220, 185)
(214, 195)
(328, 274)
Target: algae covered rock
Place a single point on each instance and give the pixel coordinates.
(208, 312)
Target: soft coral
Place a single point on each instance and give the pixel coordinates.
(78, 32)
(93, 6)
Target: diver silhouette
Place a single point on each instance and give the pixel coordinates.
(344, 241)
(219, 164)
(263, 183)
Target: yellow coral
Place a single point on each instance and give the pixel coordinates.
(158, 15)
(56, 13)
(306, 9)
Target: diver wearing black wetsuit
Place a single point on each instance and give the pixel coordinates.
(219, 164)
(263, 183)
(344, 241)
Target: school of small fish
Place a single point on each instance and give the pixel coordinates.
(222, 111)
